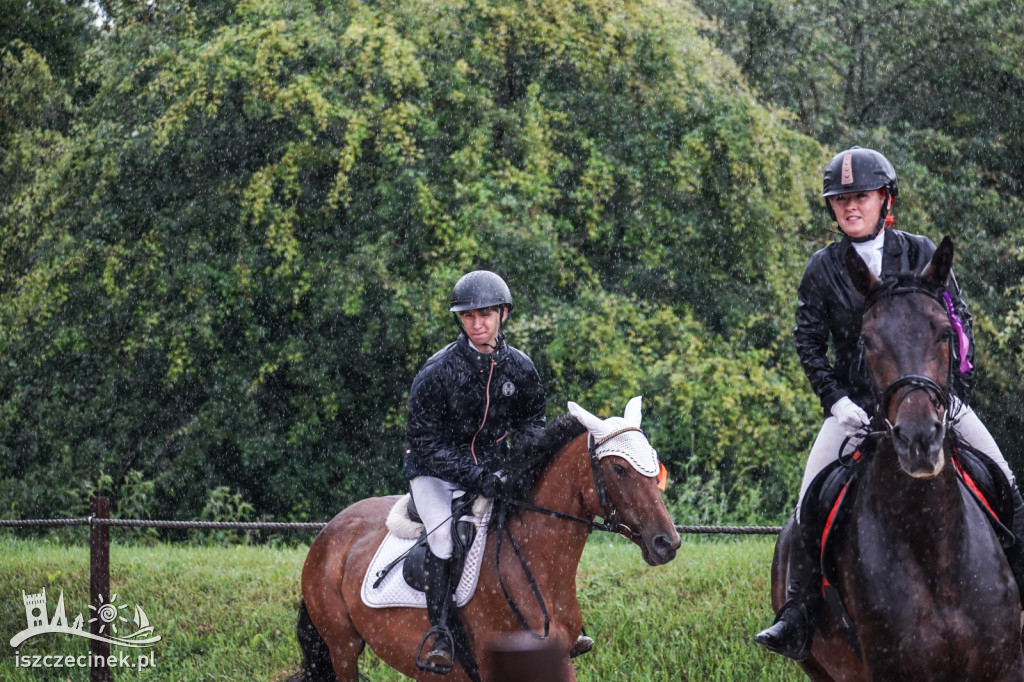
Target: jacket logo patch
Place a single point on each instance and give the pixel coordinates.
(508, 388)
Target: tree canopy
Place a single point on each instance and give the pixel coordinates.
(229, 232)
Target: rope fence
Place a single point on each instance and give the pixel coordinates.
(273, 525)
(148, 523)
(99, 523)
(281, 525)
(730, 530)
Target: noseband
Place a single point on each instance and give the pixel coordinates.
(937, 395)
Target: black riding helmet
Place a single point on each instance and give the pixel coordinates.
(860, 170)
(480, 289)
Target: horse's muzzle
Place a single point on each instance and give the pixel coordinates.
(918, 445)
(661, 548)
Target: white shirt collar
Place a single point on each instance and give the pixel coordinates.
(871, 252)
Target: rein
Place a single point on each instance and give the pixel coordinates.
(611, 525)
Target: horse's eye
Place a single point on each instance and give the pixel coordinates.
(619, 470)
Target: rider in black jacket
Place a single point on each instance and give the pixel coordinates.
(859, 188)
(464, 405)
(828, 305)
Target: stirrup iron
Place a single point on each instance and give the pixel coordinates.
(439, 633)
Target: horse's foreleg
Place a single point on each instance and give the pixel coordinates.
(569, 675)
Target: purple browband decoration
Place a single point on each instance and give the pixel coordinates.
(961, 335)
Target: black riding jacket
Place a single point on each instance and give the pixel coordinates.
(829, 305)
(462, 407)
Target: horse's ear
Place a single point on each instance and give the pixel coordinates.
(632, 413)
(588, 420)
(863, 279)
(937, 270)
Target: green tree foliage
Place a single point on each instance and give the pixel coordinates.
(59, 30)
(225, 273)
(936, 86)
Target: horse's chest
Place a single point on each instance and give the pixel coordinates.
(916, 601)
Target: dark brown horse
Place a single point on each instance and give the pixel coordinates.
(918, 566)
(572, 480)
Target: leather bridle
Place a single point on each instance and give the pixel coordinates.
(937, 395)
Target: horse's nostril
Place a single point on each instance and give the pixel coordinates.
(664, 543)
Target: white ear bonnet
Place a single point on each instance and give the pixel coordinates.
(620, 436)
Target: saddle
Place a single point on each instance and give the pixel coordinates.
(829, 499)
(463, 534)
(385, 587)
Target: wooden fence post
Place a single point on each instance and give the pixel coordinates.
(99, 585)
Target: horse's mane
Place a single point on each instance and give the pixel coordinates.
(531, 456)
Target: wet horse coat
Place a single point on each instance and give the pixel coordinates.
(919, 567)
(340, 625)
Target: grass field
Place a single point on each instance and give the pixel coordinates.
(228, 613)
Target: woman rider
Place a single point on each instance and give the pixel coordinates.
(859, 189)
(465, 403)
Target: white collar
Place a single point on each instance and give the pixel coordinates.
(871, 252)
(875, 244)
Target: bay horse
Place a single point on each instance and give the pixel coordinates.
(572, 478)
(918, 566)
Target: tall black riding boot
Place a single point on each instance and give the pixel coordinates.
(1015, 552)
(438, 574)
(793, 629)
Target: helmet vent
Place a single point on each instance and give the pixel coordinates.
(847, 173)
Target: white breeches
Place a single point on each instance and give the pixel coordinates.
(433, 498)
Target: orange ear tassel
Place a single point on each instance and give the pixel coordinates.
(662, 477)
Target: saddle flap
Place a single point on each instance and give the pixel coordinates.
(463, 534)
(825, 502)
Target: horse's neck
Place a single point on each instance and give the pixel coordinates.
(931, 506)
(566, 486)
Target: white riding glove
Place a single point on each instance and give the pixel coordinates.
(850, 415)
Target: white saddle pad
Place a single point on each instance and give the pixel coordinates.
(394, 591)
